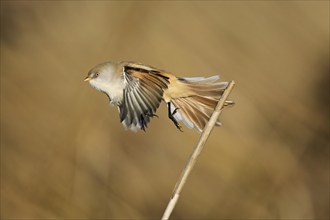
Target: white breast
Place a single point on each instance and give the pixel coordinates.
(114, 88)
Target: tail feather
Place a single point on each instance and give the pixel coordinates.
(194, 113)
(195, 110)
(206, 102)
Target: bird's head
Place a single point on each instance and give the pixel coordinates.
(101, 75)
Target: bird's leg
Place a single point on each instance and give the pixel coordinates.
(152, 115)
(171, 116)
(144, 119)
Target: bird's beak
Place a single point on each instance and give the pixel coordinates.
(87, 78)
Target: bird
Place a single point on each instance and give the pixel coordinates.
(138, 90)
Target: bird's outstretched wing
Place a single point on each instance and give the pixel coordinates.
(142, 94)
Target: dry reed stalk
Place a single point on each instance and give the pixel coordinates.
(197, 150)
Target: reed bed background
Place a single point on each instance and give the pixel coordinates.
(64, 153)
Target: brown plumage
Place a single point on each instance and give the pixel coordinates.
(138, 90)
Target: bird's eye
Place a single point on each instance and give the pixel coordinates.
(96, 75)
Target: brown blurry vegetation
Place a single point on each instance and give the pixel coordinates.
(64, 153)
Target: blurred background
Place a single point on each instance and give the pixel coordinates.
(64, 153)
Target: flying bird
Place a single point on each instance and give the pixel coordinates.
(137, 90)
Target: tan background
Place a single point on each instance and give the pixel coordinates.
(64, 153)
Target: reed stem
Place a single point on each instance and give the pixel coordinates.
(195, 153)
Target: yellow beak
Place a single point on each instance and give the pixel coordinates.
(87, 79)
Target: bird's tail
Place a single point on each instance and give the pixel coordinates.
(196, 109)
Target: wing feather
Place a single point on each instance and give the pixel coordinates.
(142, 95)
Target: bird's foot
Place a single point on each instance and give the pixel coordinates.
(175, 122)
(171, 116)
